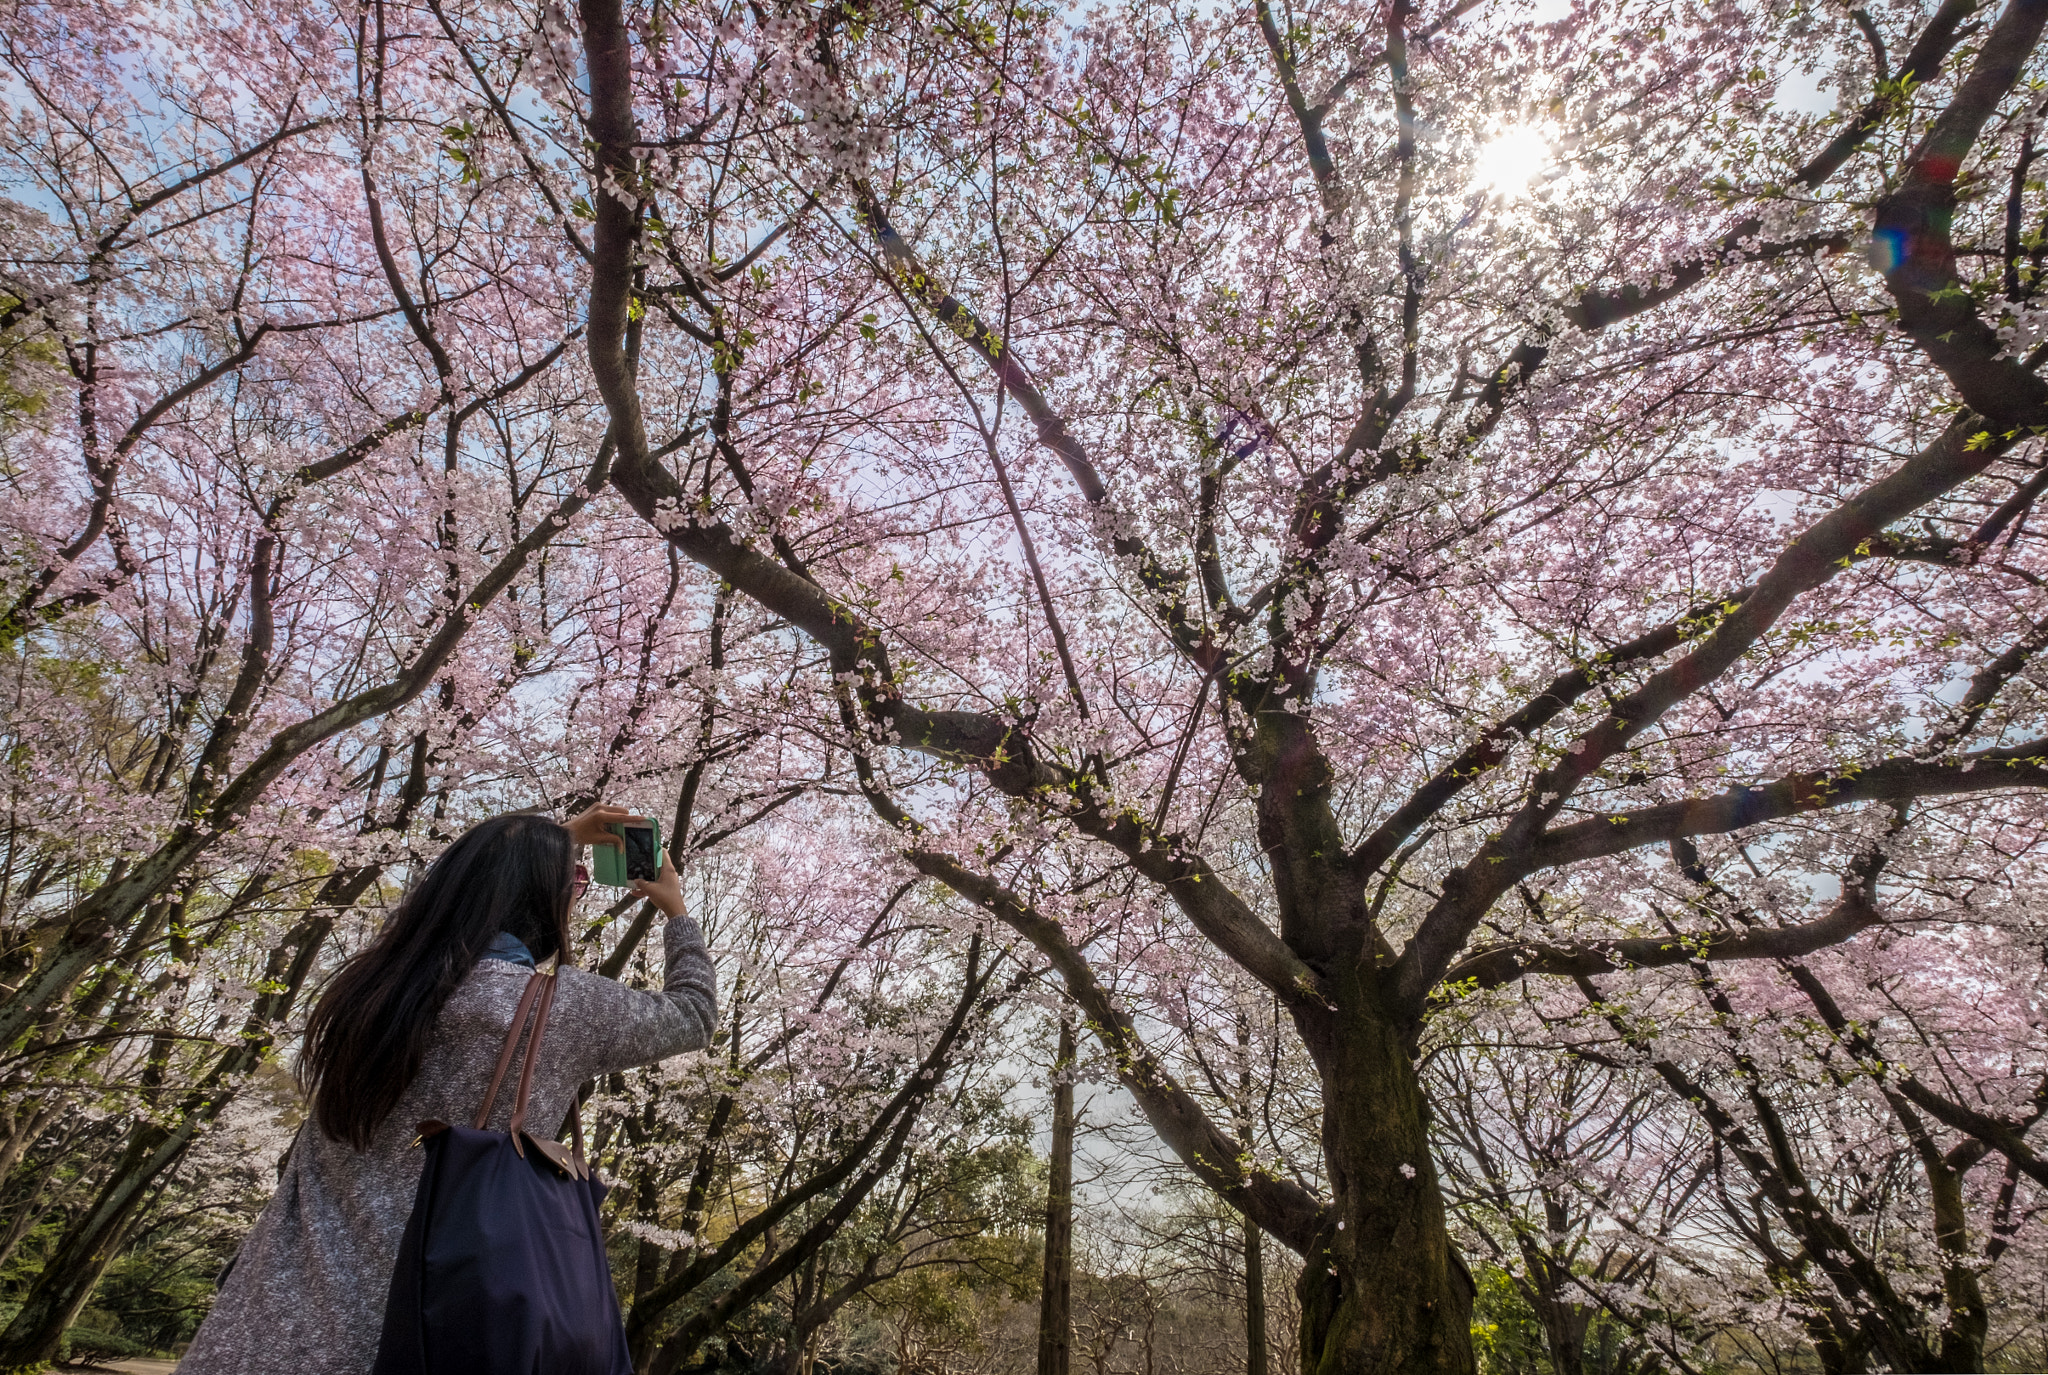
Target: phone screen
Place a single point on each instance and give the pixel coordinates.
(641, 861)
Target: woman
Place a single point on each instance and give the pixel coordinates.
(409, 1030)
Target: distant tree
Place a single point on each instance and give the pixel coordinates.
(1056, 1284)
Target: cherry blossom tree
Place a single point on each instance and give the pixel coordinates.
(339, 586)
(1314, 519)
(1420, 562)
(1826, 1082)
(257, 614)
(1582, 1190)
(851, 1128)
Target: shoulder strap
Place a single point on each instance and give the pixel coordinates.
(537, 1000)
(526, 1001)
(540, 1026)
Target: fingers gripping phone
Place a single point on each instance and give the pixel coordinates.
(639, 857)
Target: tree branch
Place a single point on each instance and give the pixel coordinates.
(1280, 1206)
(1911, 240)
(1496, 965)
(1896, 779)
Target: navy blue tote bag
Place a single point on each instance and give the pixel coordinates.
(502, 1269)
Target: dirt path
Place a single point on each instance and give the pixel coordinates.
(140, 1366)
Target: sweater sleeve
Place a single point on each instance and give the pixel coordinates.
(623, 1027)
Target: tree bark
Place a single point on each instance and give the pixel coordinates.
(1381, 1288)
(1056, 1294)
(1254, 1300)
(1564, 1322)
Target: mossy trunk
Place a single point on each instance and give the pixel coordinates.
(1382, 1289)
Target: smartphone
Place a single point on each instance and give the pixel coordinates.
(639, 858)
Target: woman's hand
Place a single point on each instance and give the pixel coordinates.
(587, 827)
(664, 890)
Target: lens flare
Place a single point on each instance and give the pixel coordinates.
(1511, 159)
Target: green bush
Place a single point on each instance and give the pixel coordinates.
(1506, 1338)
(90, 1346)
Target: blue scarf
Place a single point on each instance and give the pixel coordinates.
(509, 948)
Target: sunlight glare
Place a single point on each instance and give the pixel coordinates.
(1511, 159)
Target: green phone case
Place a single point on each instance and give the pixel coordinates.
(608, 862)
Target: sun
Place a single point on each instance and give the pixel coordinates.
(1511, 159)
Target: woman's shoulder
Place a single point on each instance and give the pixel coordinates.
(586, 988)
(486, 997)
(491, 978)
(589, 1008)
(492, 991)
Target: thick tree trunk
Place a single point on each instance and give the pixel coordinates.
(1969, 1320)
(1056, 1296)
(1381, 1288)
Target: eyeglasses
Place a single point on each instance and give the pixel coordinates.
(578, 884)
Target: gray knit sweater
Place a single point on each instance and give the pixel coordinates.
(306, 1295)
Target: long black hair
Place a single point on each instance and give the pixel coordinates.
(368, 1036)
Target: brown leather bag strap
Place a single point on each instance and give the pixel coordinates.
(576, 1126)
(540, 1026)
(526, 1001)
